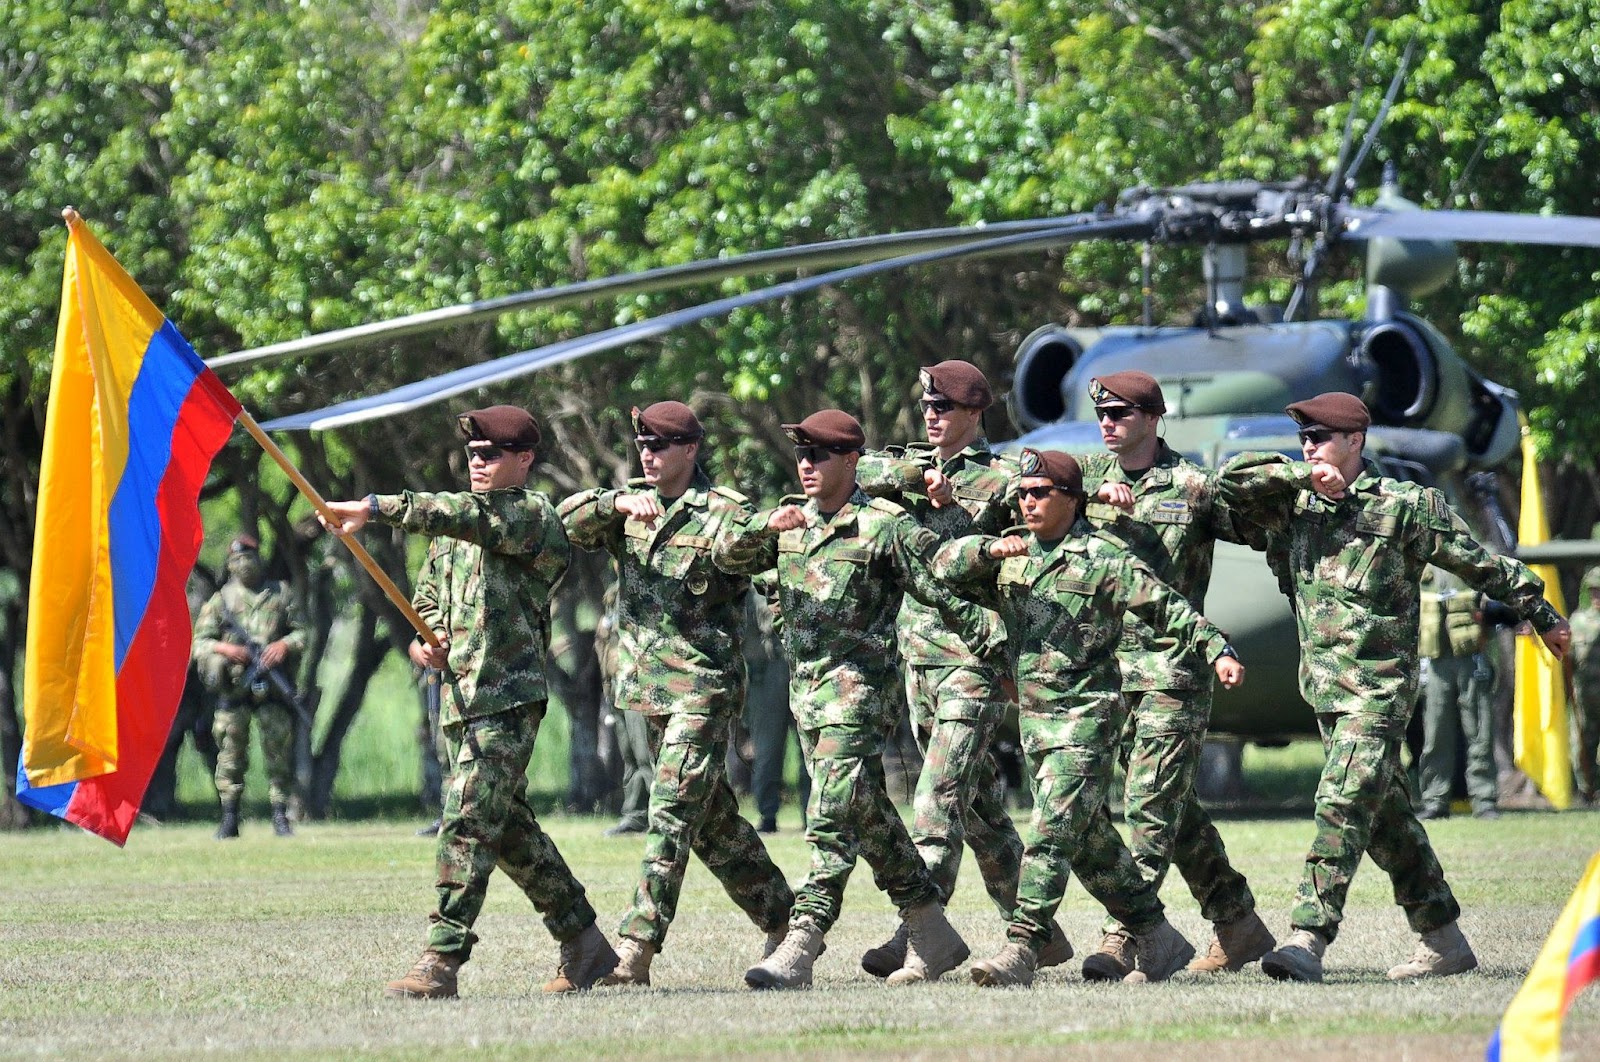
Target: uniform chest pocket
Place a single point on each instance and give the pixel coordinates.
(1374, 537)
(636, 540)
(1073, 597)
(685, 557)
(846, 569)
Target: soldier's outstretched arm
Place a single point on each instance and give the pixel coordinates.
(509, 521)
(748, 545)
(885, 474)
(1166, 612)
(592, 519)
(914, 549)
(968, 566)
(1261, 488)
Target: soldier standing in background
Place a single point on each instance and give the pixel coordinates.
(1458, 700)
(631, 728)
(1351, 545)
(766, 713)
(844, 560)
(1586, 686)
(1173, 511)
(496, 555)
(1063, 590)
(953, 485)
(679, 664)
(250, 608)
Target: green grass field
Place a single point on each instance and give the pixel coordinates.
(180, 946)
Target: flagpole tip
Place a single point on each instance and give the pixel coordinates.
(71, 217)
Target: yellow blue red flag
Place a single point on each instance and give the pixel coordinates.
(1539, 741)
(1530, 1031)
(133, 423)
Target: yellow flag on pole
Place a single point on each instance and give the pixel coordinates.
(1539, 741)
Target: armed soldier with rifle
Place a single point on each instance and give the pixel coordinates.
(245, 644)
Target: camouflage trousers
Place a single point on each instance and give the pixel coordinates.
(1071, 831)
(487, 823)
(230, 727)
(1364, 806)
(850, 814)
(1167, 826)
(638, 764)
(960, 794)
(1458, 704)
(1586, 733)
(692, 808)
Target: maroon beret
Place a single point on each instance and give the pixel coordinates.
(509, 426)
(960, 381)
(1133, 387)
(831, 428)
(1059, 468)
(1336, 410)
(672, 421)
(244, 544)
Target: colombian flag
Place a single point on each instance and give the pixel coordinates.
(134, 420)
(1539, 694)
(1570, 960)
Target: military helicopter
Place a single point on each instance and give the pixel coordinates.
(1227, 375)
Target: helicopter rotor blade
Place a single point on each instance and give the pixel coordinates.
(1336, 178)
(1383, 109)
(824, 255)
(1558, 230)
(425, 392)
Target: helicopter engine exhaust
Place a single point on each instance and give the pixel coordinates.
(1039, 377)
(1406, 376)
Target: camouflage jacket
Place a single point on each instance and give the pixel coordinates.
(981, 482)
(1586, 643)
(1352, 569)
(840, 584)
(1179, 511)
(266, 615)
(1063, 607)
(680, 618)
(485, 585)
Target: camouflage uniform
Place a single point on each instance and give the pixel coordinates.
(266, 614)
(956, 699)
(1352, 569)
(631, 727)
(841, 581)
(1179, 511)
(485, 586)
(1586, 686)
(680, 664)
(1458, 699)
(1063, 605)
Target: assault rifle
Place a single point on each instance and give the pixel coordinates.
(258, 676)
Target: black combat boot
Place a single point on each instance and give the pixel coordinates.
(230, 820)
(280, 821)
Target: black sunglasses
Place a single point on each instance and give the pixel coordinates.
(1114, 412)
(818, 454)
(487, 453)
(1037, 493)
(936, 405)
(655, 444)
(1316, 436)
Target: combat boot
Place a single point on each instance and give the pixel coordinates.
(790, 965)
(889, 956)
(229, 827)
(933, 949)
(1236, 945)
(1161, 953)
(633, 963)
(1440, 953)
(433, 977)
(585, 959)
(1114, 960)
(1013, 964)
(1298, 959)
(280, 821)
(1058, 950)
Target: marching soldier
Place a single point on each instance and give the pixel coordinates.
(844, 561)
(1062, 591)
(248, 629)
(953, 484)
(680, 665)
(1351, 545)
(484, 589)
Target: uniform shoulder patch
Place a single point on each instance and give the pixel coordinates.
(731, 494)
(923, 542)
(884, 505)
(638, 483)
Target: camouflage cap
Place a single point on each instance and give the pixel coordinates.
(832, 429)
(672, 421)
(244, 544)
(1136, 388)
(1335, 410)
(1591, 579)
(1059, 468)
(960, 381)
(511, 427)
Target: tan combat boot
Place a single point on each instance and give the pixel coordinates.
(1236, 945)
(1013, 964)
(433, 977)
(1297, 959)
(790, 965)
(633, 963)
(1440, 953)
(934, 947)
(889, 956)
(1058, 950)
(1161, 953)
(1114, 960)
(585, 959)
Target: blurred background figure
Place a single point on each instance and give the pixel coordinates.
(1585, 664)
(766, 712)
(629, 727)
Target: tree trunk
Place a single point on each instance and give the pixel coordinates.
(369, 653)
